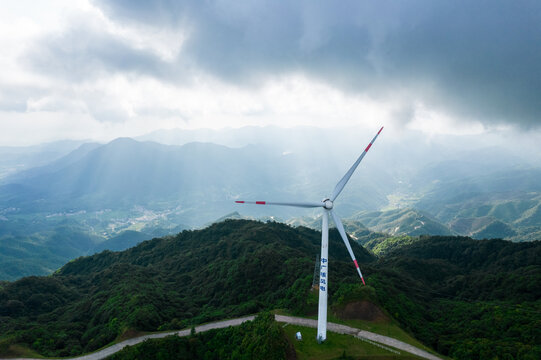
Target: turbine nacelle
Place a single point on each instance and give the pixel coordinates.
(327, 204)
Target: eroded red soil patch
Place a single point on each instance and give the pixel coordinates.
(362, 310)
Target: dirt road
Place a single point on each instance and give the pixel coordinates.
(341, 329)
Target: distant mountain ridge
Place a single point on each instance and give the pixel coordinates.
(14, 159)
(402, 222)
(103, 190)
(125, 172)
(100, 191)
(503, 204)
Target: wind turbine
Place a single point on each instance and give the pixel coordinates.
(327, 204)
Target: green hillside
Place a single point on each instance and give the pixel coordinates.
(464, 298)
(36, 245)
(401, 222)
(383, 245)
(229, 269)
(495, 230)
(516, 217)
(265, 337)
(367, 225)
(41, 252)
(122, 241)
(500, 204)
(354, 228)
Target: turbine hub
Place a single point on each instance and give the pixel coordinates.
(327, 204)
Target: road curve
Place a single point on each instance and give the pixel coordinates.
(361, 334)
(341, 329)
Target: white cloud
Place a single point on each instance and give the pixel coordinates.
(138, 105)
(20, 129)
(109, 77)
(434, 122)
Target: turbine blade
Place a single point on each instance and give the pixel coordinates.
(340, 186)
(295, 204)
(342, 232)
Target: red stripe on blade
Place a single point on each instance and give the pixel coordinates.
(380, 130)
(356, 265)
(239, 202)
(368, 147)
(363, 281)
(260, 202)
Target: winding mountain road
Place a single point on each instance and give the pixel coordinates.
(337, 328)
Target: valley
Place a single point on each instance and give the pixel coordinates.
(114, 195)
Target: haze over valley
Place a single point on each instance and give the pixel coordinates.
(128, 190)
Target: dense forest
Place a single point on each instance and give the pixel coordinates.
(465, 298)
(262, 339)
(229, 269)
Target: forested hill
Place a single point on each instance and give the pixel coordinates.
(465, 298)
(474, 254)
(469, 299)
(465, 269)
(221, 242)
(228, 269)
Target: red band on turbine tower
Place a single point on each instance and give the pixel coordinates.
(368, 147)
(260, 202)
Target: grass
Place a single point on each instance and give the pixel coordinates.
(382, 327)
(336, 346)
(386, 327)
(18, 351)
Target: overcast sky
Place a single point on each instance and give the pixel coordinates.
(99, 69)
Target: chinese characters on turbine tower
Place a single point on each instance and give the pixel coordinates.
(323, 275)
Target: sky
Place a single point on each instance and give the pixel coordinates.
(100, 69)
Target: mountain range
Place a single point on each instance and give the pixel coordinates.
(115, 195)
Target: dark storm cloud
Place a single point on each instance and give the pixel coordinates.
(474, 59)
(480, 59)
(246, 41)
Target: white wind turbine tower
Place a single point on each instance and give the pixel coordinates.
(327, 204)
